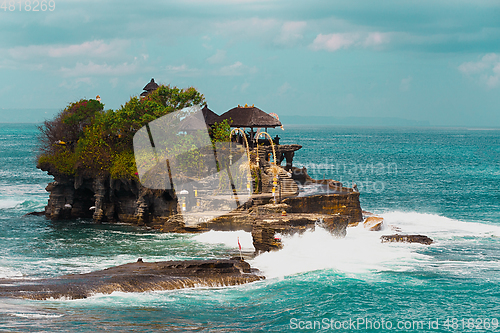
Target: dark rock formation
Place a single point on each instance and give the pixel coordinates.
(336, 204)
(34, 214)
(105, 199)
(283, 153)
(407, 239)
(135, 277)
(301, 176)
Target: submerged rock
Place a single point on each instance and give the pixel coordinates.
(407, 239)
(136, 277)
(34, 214)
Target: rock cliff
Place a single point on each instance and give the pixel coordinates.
(108, 200)
(111, 200)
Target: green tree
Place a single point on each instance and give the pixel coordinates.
(58, 137)
(84, 139)
(221, 132)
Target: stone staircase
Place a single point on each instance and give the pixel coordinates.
(288, 185)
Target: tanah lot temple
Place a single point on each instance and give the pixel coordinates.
(251, 184)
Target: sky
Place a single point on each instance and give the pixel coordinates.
(430, 61)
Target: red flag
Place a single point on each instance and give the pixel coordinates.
(239, 245)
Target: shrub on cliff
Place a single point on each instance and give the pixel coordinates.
(138, 112)
(221, 132)
(85, 140)
(59, 137)
(68, 125)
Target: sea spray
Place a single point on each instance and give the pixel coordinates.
(6, 272)
(9, 203)
(460, 248)
(436, 226)
(227, 238)
(359, 252)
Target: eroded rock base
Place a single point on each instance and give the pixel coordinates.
(136, 277)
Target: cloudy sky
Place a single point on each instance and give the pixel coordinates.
(435, 61)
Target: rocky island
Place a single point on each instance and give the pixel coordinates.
(100, 174)
(89, 153)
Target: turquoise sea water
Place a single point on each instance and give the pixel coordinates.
(443, 183)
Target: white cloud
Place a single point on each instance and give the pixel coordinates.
(241, 88)
(337, 41)
(375, 39)
(405, 84)
(333, 42)
(284, 88)
(114, 82)
(496, 69)
(183, 70)
(291, 32)
(232, 70)
(487, 69)
(244, 86)
(492, 80)
(76, 83)
(96, 48)
(247, 28)
(99, 69)
(180, 68)
(236, 69)
(218, 57)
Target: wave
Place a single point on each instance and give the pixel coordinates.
(36, 315)
(8, 273)
(22, 190)
(19, 309)
(361, 251)
(9, 203)
(439, 227)
(25, 197)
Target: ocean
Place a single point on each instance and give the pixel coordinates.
(442, 183)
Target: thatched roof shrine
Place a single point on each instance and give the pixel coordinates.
(250, 116)
(210, 116)
(151, 86)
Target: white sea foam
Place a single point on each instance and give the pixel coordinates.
(20, 309)
(36, 315)
(228, 238)
(21, 190)
(436, 226)
(29, 196)
(9, 203)
(6, 273)
(361, 251)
